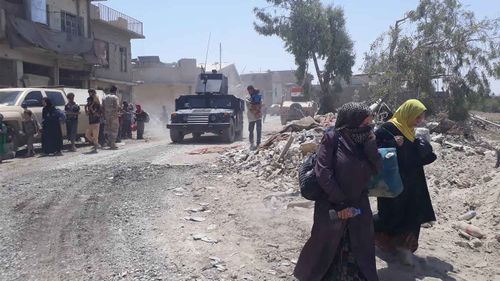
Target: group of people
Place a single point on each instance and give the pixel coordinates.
(132, 117)
(108, 124)
(342, 247)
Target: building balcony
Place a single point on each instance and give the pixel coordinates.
(105, 14)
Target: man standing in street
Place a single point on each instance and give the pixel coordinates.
(72, 111)
(126, 122)
(141, 117)
(254, 113)
(111, 107)
(93, 110)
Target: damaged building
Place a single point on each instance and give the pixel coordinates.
(274, 85)
(74, 43)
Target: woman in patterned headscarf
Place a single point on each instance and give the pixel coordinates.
(397, 224)
(343, 248)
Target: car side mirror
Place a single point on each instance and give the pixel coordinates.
(30, 103)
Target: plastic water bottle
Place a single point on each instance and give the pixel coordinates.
(334, 216)
(467, 216)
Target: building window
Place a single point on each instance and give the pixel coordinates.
(48, 15)
(123, 59)
(71, 24)
(38, 10)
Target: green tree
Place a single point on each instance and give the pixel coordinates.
(311, 32)
(439, 41)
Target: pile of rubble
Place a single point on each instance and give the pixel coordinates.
(281, 154)
(466, 136)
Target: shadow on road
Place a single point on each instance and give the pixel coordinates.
(424, 267)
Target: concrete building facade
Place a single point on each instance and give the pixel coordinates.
(60, 42)
(113, 32)
(159, 84)
(273, 85)
(25, 60)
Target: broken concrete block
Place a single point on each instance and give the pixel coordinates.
(308, 147)
(463, 244)
(438, 138)
(487, 179)
(476, 243)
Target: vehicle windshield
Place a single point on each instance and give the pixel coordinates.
(202, 101)
(221, 102)
(9, 97)
(194, 102)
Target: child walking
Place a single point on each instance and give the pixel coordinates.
(30, 129)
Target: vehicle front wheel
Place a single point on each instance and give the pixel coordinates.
(176, 136)
(229, 134)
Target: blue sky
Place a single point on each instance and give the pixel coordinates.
(177, 29)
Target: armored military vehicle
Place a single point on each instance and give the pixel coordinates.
(211, 110)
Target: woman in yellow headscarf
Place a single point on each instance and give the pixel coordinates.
(397, 224)
(408, 116)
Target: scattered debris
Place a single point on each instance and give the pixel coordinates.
(469, 229)
(484, 121)
(204, 238)
(197, 209)
(455, 146)
(301, 204)
(273, 245)
(287, 147)
(306, 123)
(216, 263)
(308, 147)
(476, 243)
(195, 219)
(217, 149)
(465, 235)
(482, 264)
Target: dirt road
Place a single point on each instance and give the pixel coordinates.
(108, 216)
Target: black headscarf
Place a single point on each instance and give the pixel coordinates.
(350, 116)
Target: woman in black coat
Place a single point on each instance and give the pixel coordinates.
(397, 224)
(343, 249)
(52, 140)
